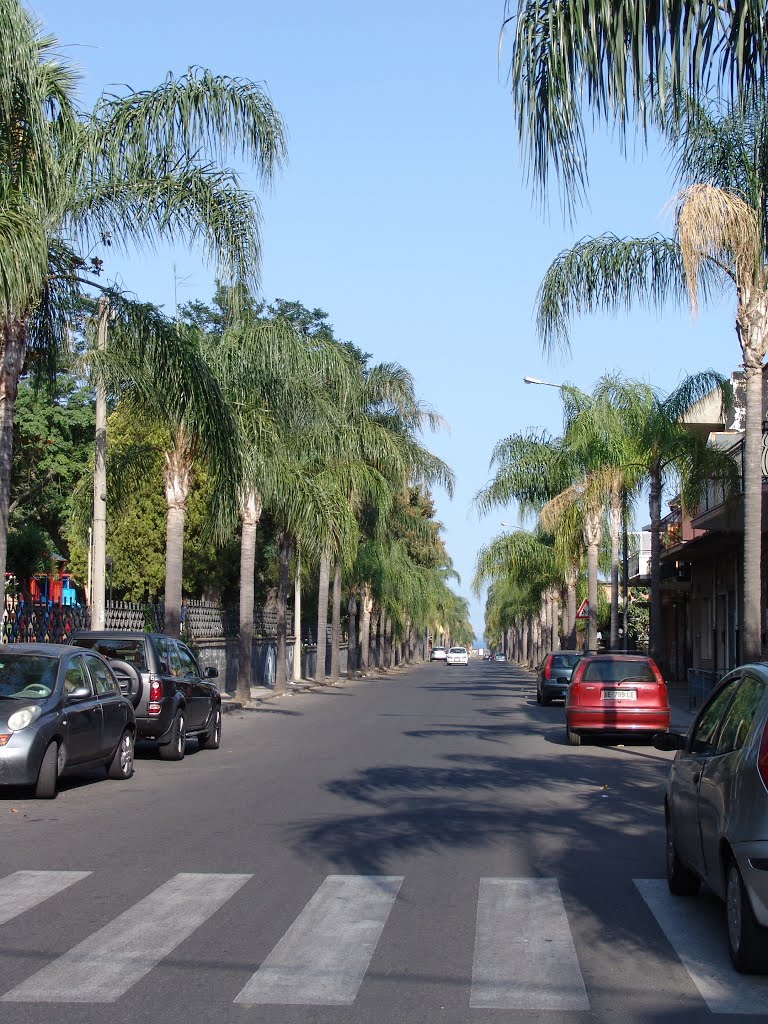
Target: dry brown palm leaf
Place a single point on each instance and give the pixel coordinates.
(717, 226)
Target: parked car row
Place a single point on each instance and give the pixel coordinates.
(716, 801)
(84, 704)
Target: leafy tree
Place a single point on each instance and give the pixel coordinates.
(137, 168)
(623, 60)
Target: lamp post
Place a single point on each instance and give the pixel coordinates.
(538, 380)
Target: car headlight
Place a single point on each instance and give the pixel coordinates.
(25, 716)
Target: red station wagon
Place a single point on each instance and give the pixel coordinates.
(613, 694)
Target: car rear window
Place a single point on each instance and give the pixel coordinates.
(458, 650)
(617, 671)
(564, 661)
(129, 650)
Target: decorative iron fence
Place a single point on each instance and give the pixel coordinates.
(24, 622)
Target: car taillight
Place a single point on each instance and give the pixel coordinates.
(657, 675)
(762, 757)
(155, 695)
(547, 667)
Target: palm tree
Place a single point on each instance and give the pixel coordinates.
(136, 169)
(158, 370)
(625, 60)
(664, 450)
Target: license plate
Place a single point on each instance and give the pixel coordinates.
(619, 694)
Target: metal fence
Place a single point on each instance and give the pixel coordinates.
(701, 682)
(25, 622)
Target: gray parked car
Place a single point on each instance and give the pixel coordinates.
(172, 698)
(554, 675)
(716, 809)
(60, 708)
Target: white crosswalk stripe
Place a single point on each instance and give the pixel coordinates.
(106, 964)
(25, 889)
(524, 958)
(524, 953)
(696, 930)
(322, 958)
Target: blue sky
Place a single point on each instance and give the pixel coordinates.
(404, 210)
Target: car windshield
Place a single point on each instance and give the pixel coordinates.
(617, 670)
(458, 650)
(26, 675)
(114, 649)
(566, 661)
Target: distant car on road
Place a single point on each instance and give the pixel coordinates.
(716, 810)
(499, 657)
(438, 654)
(172, 697)
(554, 675)
(457, 656)
(614, 694)
(60, 708)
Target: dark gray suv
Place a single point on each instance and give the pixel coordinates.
(171, 698)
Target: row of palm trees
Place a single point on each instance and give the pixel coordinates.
(282, 420)
(696, 72)
(621, 440)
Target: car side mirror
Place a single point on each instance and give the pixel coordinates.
(211, 672)
(79, 693)
(669, 741)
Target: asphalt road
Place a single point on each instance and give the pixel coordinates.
(423, 848)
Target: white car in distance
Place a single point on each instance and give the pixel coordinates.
(438, 654)
(457, 656)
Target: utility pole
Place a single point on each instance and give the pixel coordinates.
(100, 482)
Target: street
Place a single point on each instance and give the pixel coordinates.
(417, 848)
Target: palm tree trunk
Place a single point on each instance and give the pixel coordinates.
(297, 619)
(388, 643)
(524, 648)
(336, 622)
(593, 531)
(283, 583)
(352, 643)
(751, 632)
(365, 626)
(13, 350)
(250, 514)
(322, 615)
(570, 626)
(614, 530)
(656, 626)
(178, 480)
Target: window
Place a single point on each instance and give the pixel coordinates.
(616, 670)
(702, 740)
(740, 715)
(563, 661)
(128, 650)
(76, 676)
(102, 680)
(188, 666)
(160, 644)
(174, 662)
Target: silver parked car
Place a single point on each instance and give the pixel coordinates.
(716, 809)
(60, 708)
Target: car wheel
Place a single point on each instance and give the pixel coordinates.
(210, 740)
(121, 765)
(747, 939)
(174, 749)
(48, 776)
(680, 879)
(574, 738)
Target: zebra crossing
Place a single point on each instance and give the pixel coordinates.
(524, 955)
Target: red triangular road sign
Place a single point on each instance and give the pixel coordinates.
(583, 612)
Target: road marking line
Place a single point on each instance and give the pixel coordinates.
(322, 958)
(25, 889)
(106, 964)
(524, 958)
(696, 929)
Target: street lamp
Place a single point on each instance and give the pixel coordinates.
(538, 380)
